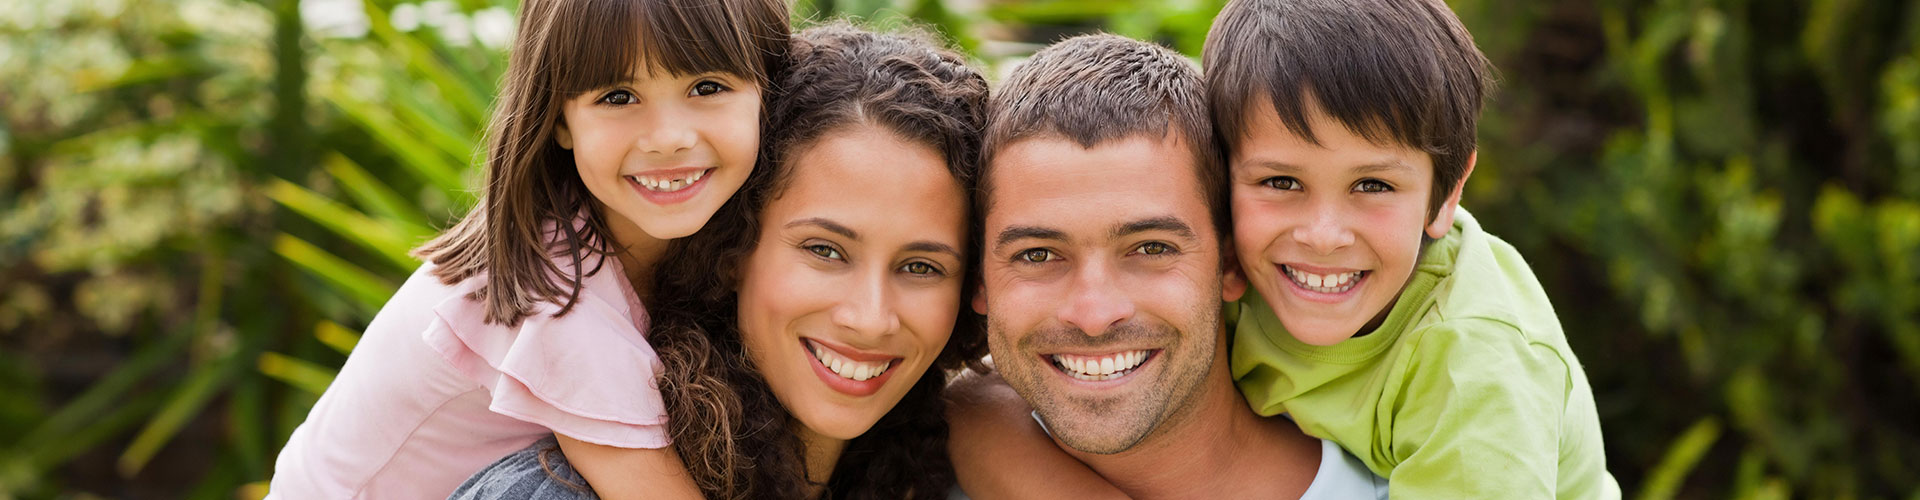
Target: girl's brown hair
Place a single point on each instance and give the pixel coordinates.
(736, 439)
(533, 195)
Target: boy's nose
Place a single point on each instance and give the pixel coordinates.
(1324, 232)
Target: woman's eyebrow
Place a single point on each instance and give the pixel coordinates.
(932, 247)
(826, 224)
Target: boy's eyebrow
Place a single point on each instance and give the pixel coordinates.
(1016, 233)
(1382, 166)
(1166, 223)
(828, 225)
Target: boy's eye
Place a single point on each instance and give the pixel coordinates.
(618, 98)
(709, 87)
(920, 268)
(1372, 186)
(1035, 255)
(1155, 248)
(824, 251)
(1282, 183)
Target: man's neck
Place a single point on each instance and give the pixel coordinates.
(1219, 449)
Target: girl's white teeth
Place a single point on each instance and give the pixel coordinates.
(667, 184)
(847, 368)
(1095, 369)
(1324, 283)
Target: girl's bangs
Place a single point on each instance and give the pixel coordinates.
(603, 43)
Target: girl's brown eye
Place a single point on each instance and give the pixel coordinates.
(708, 88)
(618, 98)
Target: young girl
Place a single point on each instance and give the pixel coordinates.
(808, 335)
(621, 124)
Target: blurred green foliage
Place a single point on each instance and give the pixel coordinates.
(206, 197)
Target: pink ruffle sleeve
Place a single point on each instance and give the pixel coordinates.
(588, 374)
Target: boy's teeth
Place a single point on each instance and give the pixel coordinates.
(850, 369)
(1098, 368)
(1324, 283)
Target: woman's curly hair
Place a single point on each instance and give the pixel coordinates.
(735, 438)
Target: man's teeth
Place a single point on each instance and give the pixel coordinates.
(847, 368)
(1324, 283)
(1098, 368)
(667, 184)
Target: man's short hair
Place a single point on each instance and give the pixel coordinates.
(1392, 71)
(1092, 89)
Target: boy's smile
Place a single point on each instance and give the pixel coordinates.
(1329, 233)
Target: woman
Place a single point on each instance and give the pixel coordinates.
(805, 367)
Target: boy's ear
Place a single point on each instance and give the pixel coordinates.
(562, 135)
(1443, 219)
(1233, 282)
(979, 298)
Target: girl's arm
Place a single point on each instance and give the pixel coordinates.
(999, 451)
(630, 473)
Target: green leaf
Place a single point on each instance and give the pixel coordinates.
(380, 237)
(364, 288)
(296, 372)
(188, 398)
(1665, 479)
(377, 197)
(429, 164)
(336, 336)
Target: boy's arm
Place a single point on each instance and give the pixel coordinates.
(999, 451)
(1482, 416)
(629, 473)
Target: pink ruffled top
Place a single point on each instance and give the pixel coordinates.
(433, 393)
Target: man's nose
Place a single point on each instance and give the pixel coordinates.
(1096, 301)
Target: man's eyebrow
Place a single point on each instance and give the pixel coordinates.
(1016, 233)
(1166, 223)
(829, 225)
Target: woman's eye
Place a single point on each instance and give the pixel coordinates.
(1036, 255)
(1155, 248)
(920, 268)
(1281, 183)
(824, 251)
(708, 88)
(1372, 186)
(619, 98)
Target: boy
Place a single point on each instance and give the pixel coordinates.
(1381, 316)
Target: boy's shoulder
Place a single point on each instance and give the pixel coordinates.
(1486, 289)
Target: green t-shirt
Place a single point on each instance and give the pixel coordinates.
(1467, 390)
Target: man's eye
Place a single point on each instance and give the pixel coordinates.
(1155, 248)
(920, 268)
(1036, 255)
(1372, 186)
(824, 251)
(1282, 183)
(706, 88)
(619, 98)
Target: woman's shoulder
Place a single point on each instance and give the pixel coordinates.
(537, 472)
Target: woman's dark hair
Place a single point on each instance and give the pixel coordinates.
(735, 438)
(531, 207)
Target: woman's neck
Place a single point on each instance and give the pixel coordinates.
(822, 453)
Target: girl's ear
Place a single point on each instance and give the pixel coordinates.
(562, 135)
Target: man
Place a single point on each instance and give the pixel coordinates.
(1105, 265)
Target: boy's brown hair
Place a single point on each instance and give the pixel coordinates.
(1097, 88)
(1392, 71)
(533, 195)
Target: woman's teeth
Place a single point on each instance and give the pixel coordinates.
(847, 368)
(1324, 283)
(1099, 368)
(667, 184)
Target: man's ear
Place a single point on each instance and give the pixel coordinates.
(1233, 282)
(1443, 216)
(563, 135)
(979, 298)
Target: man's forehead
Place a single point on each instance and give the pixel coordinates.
(1059, 184)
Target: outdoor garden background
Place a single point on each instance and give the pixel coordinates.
(203, 201)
